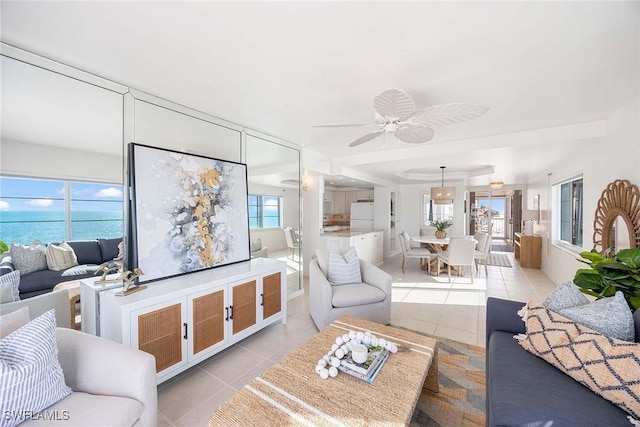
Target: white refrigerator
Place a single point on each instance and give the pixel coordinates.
(362, 216)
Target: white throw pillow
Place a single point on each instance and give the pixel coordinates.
(31, 378)
(11, 322)
(10, 287)
(60, 257)
(344, 269)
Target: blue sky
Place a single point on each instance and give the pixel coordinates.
(18, 194)
(496, 204)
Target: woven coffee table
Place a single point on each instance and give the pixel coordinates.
(291, 393)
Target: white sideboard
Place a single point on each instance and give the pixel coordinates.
(369, 244)
(186, 319)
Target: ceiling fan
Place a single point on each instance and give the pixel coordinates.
(396, 113)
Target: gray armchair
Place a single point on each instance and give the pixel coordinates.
(370, 300)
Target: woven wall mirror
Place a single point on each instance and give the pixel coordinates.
(618, 207)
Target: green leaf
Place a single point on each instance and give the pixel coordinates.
(630, 257)
(635, 302)
(588, 281)
(592, 256)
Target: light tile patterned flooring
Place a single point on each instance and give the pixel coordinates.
(421, 302)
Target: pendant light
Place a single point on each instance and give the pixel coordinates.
(443, 195)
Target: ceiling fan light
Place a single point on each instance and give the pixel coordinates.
(443, 195)
(496, 185)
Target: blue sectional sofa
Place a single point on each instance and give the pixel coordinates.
(90, 254)
(524, 390)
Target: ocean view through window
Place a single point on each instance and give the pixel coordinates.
(56, 210)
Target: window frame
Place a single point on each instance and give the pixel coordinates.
(557, 215)
(260, 209)
(67, 200)
(424, 216)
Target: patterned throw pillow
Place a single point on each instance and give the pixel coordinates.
(60, 257)
(31, 378)
(10, 287)
(344, 269)
(565, 296)
(28, 259)
(607, 366)
(609, 316)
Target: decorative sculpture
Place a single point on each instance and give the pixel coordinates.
(112, 266)
(128, 277)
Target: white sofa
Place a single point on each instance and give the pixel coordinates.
(355, 300)
(112, 385)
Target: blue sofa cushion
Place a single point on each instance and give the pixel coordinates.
(109, 248)
(523, 389)
(87, 251)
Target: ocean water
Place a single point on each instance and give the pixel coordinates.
(26, 226)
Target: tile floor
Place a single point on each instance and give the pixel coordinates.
(421, 302)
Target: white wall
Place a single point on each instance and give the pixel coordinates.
(601, 161)
(40, 161)
(274, 237)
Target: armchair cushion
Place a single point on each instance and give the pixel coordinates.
(344, 269)
(11, 322)
(356, 294)
(31, 377)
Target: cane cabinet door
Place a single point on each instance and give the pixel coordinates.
(271, 295)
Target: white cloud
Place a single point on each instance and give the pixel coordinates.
(4, 206)
(40, 203)
(109, 192)
(271, 202)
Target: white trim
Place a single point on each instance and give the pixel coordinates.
(56, 67)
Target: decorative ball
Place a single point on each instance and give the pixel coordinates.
(339, 353)
(394, 349)
(389, 346)
(326, 358)
(333, 372)
(324, 374)
(374, 341)
(322, 362)
(367, 333)
(352, 334)
(344, 348)
(335, 362)
(359, 336)
(334, 347)
(366, 340)
(348, 346)
(382, 342)
(319, 368)
(346, 338)
(339, 341)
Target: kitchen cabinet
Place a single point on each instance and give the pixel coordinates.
(187, 319)
(350, 197)
(327, 196)
(339, 202)
(365, 194)
(369, 245)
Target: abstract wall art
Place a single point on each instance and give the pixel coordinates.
(187, 212)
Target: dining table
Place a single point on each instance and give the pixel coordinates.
(438, 245)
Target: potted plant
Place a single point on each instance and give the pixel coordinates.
(441, 227)
(3, 247)
(606, 276)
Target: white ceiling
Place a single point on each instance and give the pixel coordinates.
(549, 71)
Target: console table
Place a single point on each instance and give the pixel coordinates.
(527, 250)
(186, 319)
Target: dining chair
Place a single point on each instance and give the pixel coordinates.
(482, 256)
(410, 252)
(460, 253)
(292, 244)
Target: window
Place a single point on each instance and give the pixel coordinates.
(54, 210)
(264, 211)
(568, 212)
(434, 212)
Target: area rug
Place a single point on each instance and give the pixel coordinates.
(501, 247)
(500, 260)
(461, 399)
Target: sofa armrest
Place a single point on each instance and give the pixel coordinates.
(59, 300)
(98, 366)
(372, 275)
(502, 315)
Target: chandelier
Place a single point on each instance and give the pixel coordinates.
(496, 185)
(443, 195)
